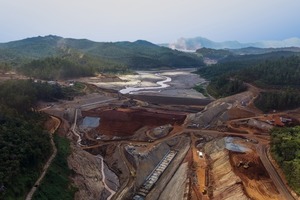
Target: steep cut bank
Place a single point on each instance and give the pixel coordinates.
(87, 176)
(238, 174)
(225, 184)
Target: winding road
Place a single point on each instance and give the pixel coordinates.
(47, 165)
(285, 193)
(261, 148)
(121, 193)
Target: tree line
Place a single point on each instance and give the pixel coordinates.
(57, 68)
(285, 148)
(24, 145)
(278, 100)
(279, 76)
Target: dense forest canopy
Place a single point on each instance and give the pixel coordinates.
(96, 56)
(222, 87)
(234, 63)
(285, 147)
(69, 66)
(217, 54)
(55, 69)
(5, 67)
(57, 184)
(24, 145)
(280, 73)
(279, 76)
(278, 100)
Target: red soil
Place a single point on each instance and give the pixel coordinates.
(236, 113)
(256, 179)
(124, 122)
(256, 170)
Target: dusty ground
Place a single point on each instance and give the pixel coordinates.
(225, 179)
(238, 175)
(87, 178)
(199, 165)
(218, 112)
(51, 124)
(175, 189)
(256, 179)
(181, 85)
(236, 113)
(258, 125)
(225, 183)
(124, 122)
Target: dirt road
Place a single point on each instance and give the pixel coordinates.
(262, 151)
(104, 179)
(122, 192)
(47, 165)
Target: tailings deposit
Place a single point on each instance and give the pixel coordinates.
(124, 122)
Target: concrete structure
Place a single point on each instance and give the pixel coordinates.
(154, 175)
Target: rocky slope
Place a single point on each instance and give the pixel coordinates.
(87, 177)
(225, 184)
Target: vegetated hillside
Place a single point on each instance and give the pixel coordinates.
(279, 76)
(56, 183)
(255, 50)
(223, 75)
(233, 63)
(285, 148)
(224, 86)
(246, 56)
(69, 66)
(216, 54)
(136, 55)
(24, 145)
(32, 48)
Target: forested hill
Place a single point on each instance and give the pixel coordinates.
(230, 63)
(279, 77)
(135, 55)
(278, 74)
(246, 54)
(24, 145)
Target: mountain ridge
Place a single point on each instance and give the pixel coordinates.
(140, 54)
(192, 44)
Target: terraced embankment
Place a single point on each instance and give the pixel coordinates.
(238, 175)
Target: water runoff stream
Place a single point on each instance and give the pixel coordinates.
(161, 84)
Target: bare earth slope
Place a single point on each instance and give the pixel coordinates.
(87, 178)
(227, 185)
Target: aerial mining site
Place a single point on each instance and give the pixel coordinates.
(151, 136)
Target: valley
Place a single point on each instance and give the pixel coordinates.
(147, 144)
(149, 100)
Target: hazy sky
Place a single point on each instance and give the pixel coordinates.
(155, 20)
